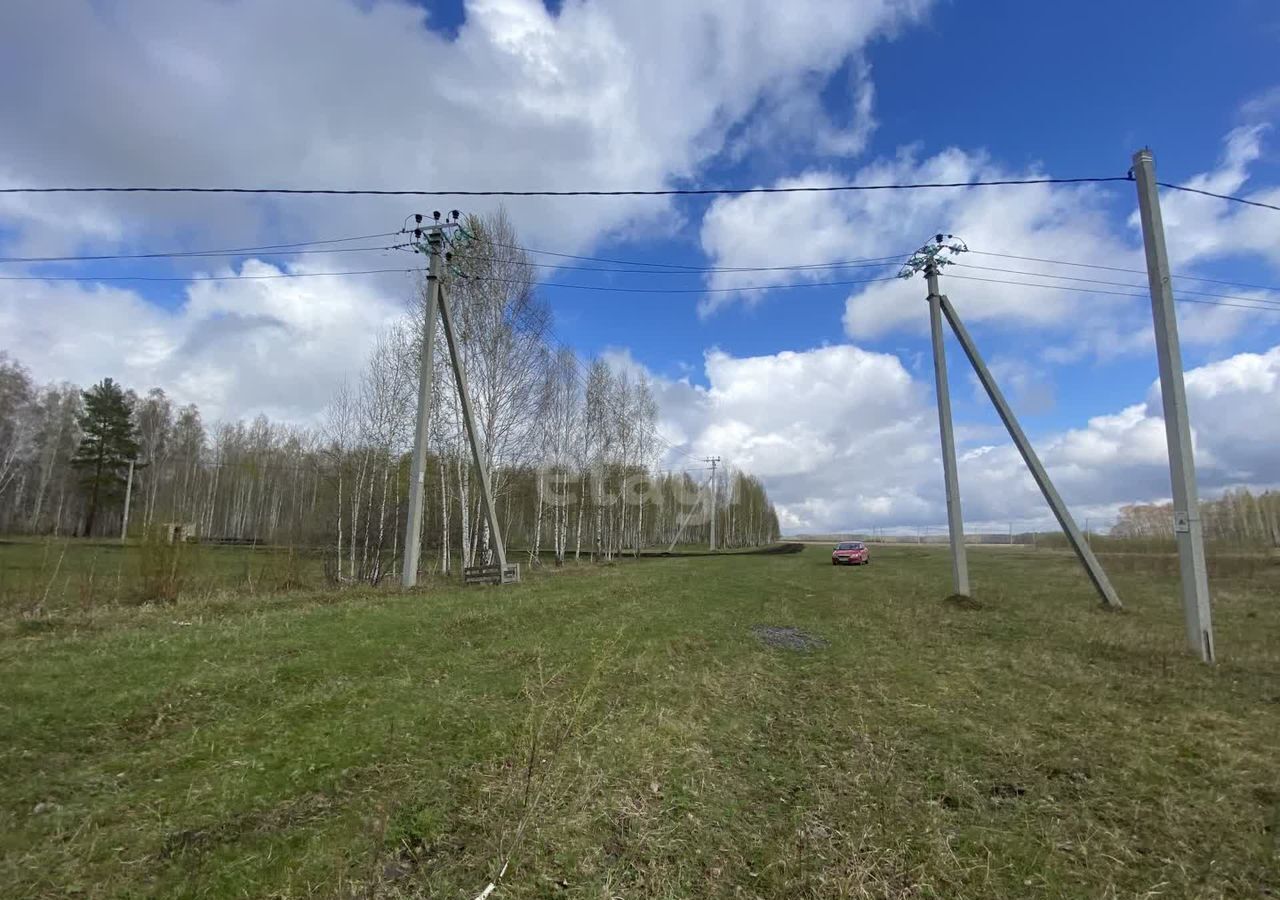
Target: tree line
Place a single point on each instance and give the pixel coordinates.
(571, 449)
(1237, 518)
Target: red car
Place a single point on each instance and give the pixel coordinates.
(851, 553)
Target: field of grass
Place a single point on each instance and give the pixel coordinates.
(53, 575)
(622, 731)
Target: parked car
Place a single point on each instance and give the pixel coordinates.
(851, 553)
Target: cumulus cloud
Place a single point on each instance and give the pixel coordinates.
(340, 93)
(238, 347)
(847, 438)
(1200, 228)
(1068, 222)
(337, 93)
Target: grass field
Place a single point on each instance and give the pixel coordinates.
(622, 732)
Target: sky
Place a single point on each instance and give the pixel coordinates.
(823, 390)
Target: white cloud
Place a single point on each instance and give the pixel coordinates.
(847, 438)
(1043, 221)
(236, 348)
(825, 228)
(338, 93)
(1200, 228)
(341, 93)
(1028, 387)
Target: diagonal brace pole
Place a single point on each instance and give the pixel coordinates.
(1060, 511)
(473, 437)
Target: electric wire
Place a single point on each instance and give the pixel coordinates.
(567, 286)
(870, 263)
(695, 269)
(1201, 191)
(541, 330)
(633, 192)
(230, 251)
(580, 377)
(1111, 283)
(1143, 272)
(1065, 287)
(729, 290)
(186, 278)
(49, 260)
(1256, 303)
(1243, 302)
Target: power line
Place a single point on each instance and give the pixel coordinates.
(202, 254)
(632, 192)
(231, 251)
(547, 284)
(580, 377)
(1082, 265)
(201, 277)
(875, 262)
(1256, 302)
(1060, 262)
(1065, 287)
(1110, 283)
(1191, 190)
(684, 268)
(655, 192)
(748, 287)
(543, 328)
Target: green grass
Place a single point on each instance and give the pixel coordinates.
(38, 576)
(620, 731)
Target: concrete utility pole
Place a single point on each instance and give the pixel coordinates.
(128, 496)
(951, 479)
(469, 419)
(714, 460)
(1187, 528)
(417, 480)
(1051, 496)
(438, 303)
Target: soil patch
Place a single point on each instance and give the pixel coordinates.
(960, 601)
(784, 637)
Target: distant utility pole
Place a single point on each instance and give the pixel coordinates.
(714, 460)
(128, 496)
(1187, 528)
(685, 520)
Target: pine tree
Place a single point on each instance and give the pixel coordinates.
(108, 444)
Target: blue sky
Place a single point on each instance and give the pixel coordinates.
(512, 94)
(1066, 93)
